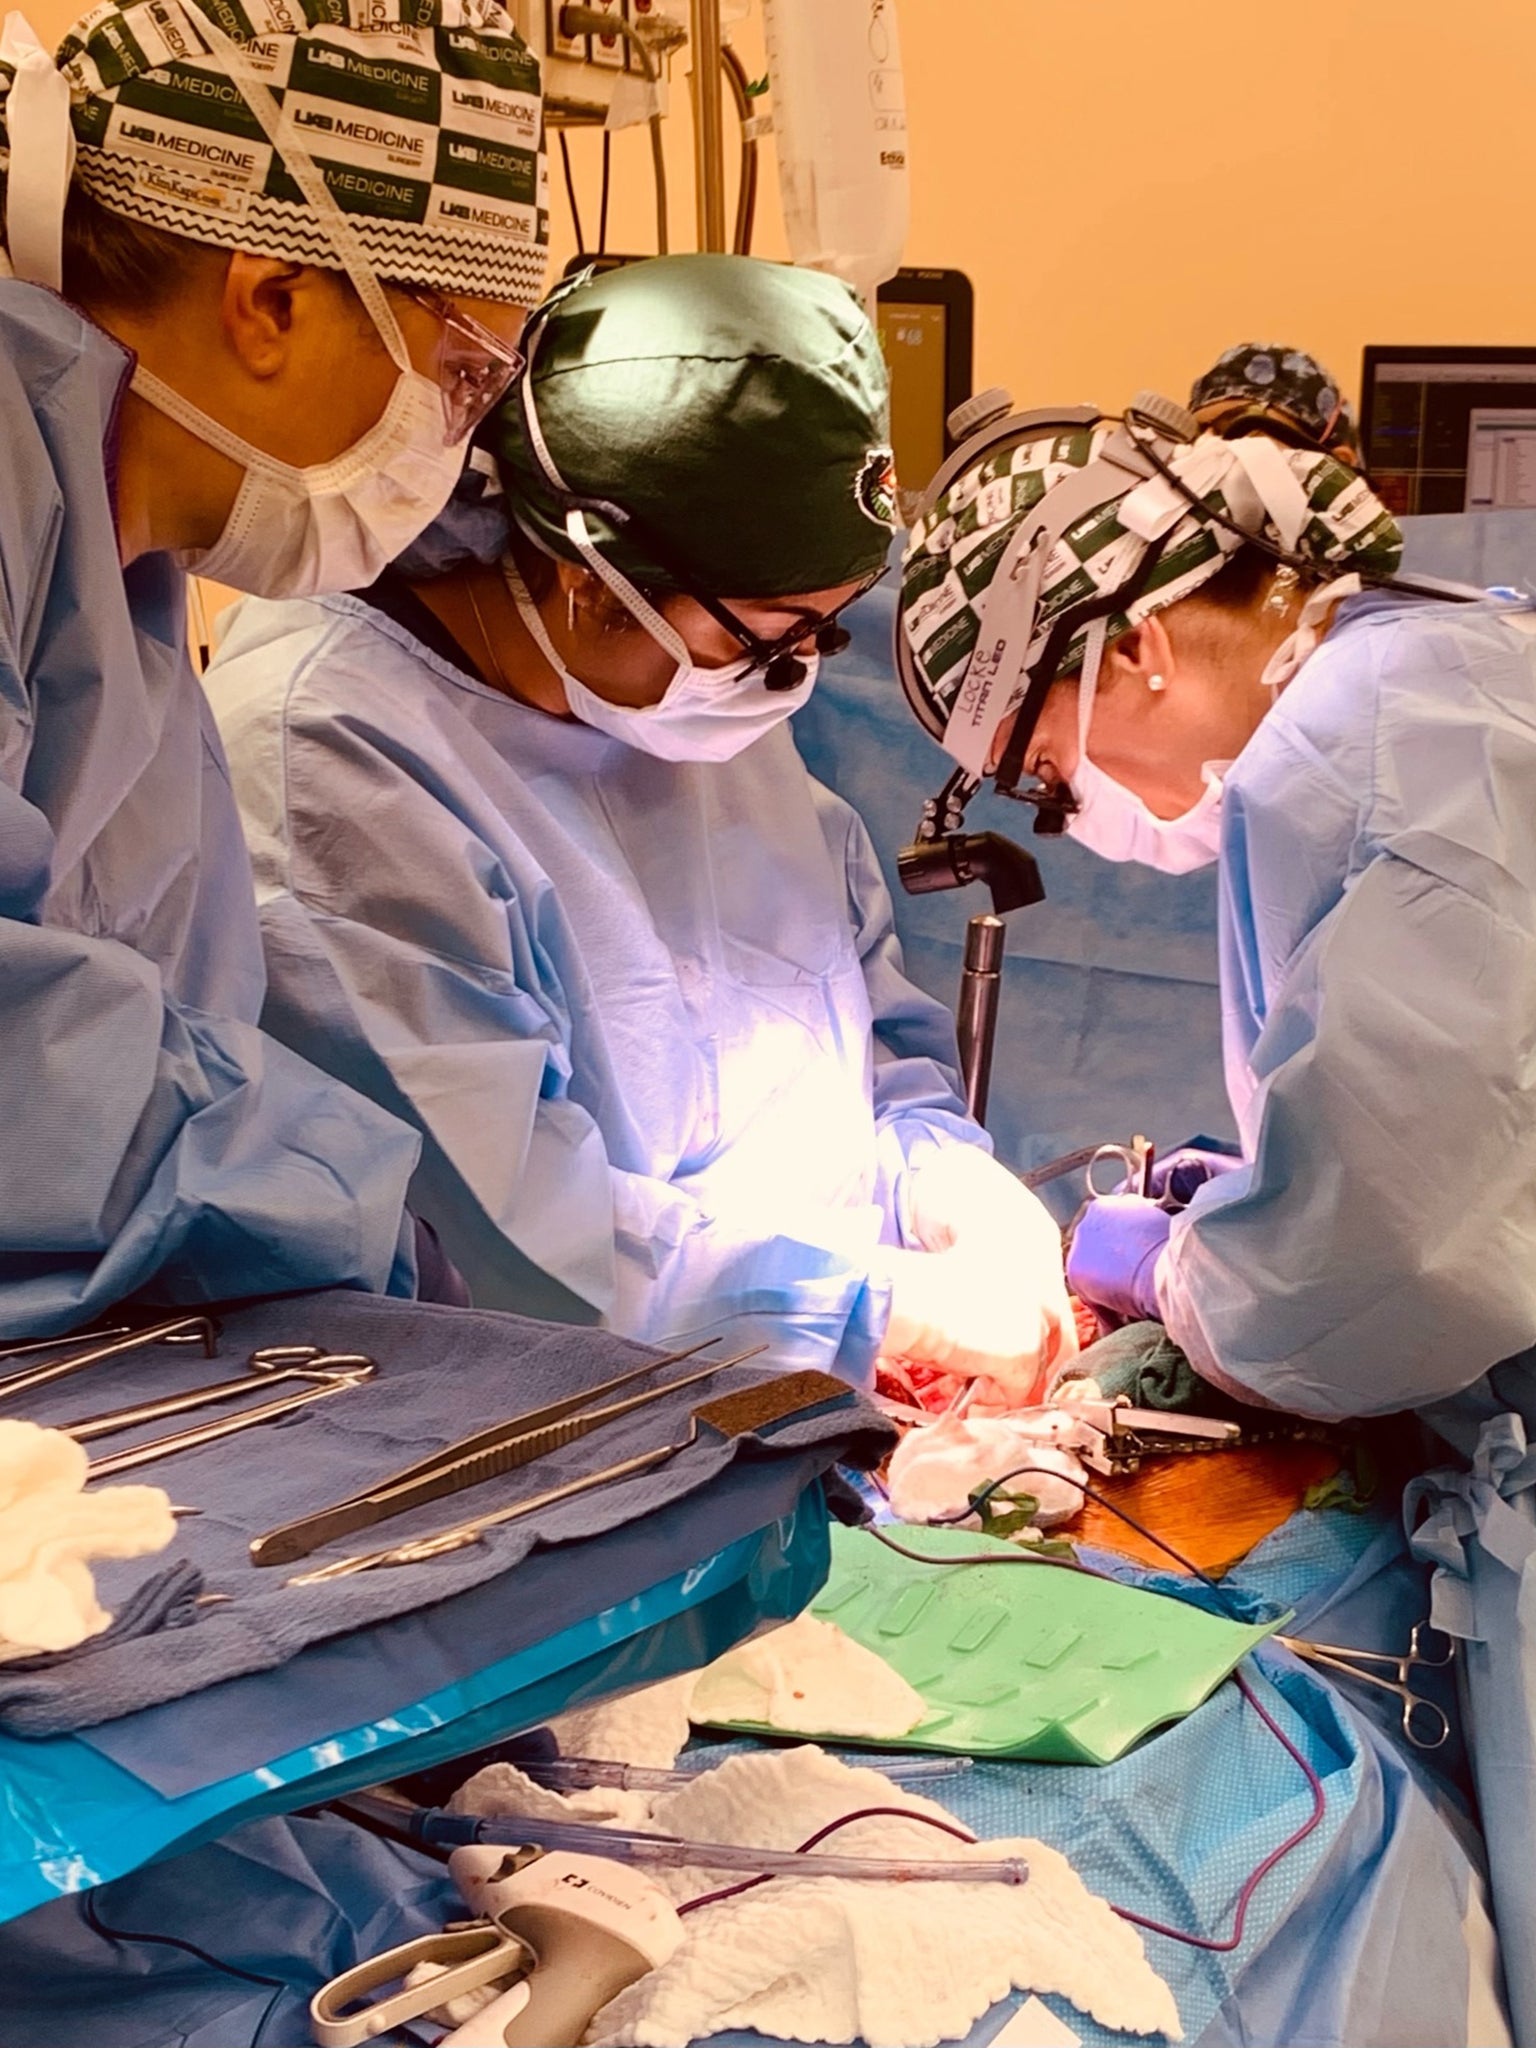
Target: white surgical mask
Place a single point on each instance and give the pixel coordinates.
(335, 525)
(1115, 823)
(705, 714)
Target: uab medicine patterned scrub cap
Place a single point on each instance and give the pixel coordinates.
(424, 118)
(737, 410)
(1261, 381)
(1142, 540)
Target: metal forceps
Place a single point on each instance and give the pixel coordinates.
(1423, 1721)
(322, 1372)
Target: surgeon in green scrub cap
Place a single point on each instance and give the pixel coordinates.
(540, 869)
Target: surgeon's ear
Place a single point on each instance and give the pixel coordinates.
(1144, 656)
(262, 301)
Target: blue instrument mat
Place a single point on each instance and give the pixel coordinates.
(1356, 1936)
(442, 1373)
(70, 1818)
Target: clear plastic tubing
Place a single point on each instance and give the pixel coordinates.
(586, 1774)
(435, 1829)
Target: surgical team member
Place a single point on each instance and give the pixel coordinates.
(200, 369)
(1263, 387)
(1192, 670)
(540, 869)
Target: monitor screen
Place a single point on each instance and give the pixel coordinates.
(1450, 429)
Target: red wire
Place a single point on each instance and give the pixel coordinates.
(1292, 1841)
(1201, 1941)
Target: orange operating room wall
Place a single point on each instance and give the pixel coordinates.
(1131, 184)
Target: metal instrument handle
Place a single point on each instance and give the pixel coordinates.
(178, 1327)
(350, 1369)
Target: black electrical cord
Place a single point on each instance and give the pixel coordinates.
(980, 1498)
(570, 193)
(1302, 565)
(122, 1936)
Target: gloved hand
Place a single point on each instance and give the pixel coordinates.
(1176, 1177)
(986, 1296)
(1113, 1261)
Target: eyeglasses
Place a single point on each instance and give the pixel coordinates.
(780, 660)
(474, 366)
(782, 665)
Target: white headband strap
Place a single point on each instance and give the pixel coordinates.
(42, 156)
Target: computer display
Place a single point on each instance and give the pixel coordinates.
(1450, 429)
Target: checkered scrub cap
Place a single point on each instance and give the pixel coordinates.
(401, 137)
(975, 557)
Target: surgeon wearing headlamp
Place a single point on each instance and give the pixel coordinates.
(540, 868)
(1201, 652)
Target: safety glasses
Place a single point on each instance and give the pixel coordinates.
(474, 366)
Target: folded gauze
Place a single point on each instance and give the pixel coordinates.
(51, 1529)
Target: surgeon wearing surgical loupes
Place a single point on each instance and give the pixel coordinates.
(201, 369)
(541, 869)
(1195, 666)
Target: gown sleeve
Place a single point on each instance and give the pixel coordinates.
(1378, 1251)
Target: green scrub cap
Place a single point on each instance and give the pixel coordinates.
(423, 117)
(736, 410)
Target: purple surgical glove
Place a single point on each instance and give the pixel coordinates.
(1113, 1259)
(437, 1277)
(1176, 1176)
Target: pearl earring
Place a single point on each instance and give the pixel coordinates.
(1157, 682)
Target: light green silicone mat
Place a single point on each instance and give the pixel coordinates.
(1024, 1660)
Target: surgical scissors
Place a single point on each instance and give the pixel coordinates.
(1136, 1160)
(1424, 1722)
(329, 1372)
(266, 1368)
(111, 1343)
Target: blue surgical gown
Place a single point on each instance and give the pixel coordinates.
(149, 1133)
(650, 1017)
(1378, 965)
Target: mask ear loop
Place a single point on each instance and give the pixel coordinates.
(1088, 684)
(42, 157)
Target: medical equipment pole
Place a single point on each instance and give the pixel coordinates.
(708, 124)
(980, 985)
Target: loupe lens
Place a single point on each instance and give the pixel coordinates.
(784, 672)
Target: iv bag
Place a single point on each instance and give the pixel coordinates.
(840, 132)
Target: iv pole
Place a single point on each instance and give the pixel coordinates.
(708, 124)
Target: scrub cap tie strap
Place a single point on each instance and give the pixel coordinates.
(42, 156)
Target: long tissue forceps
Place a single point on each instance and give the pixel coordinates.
(328, 1372)
(108, 1344)
(1423, 1721)
(488, 1454)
